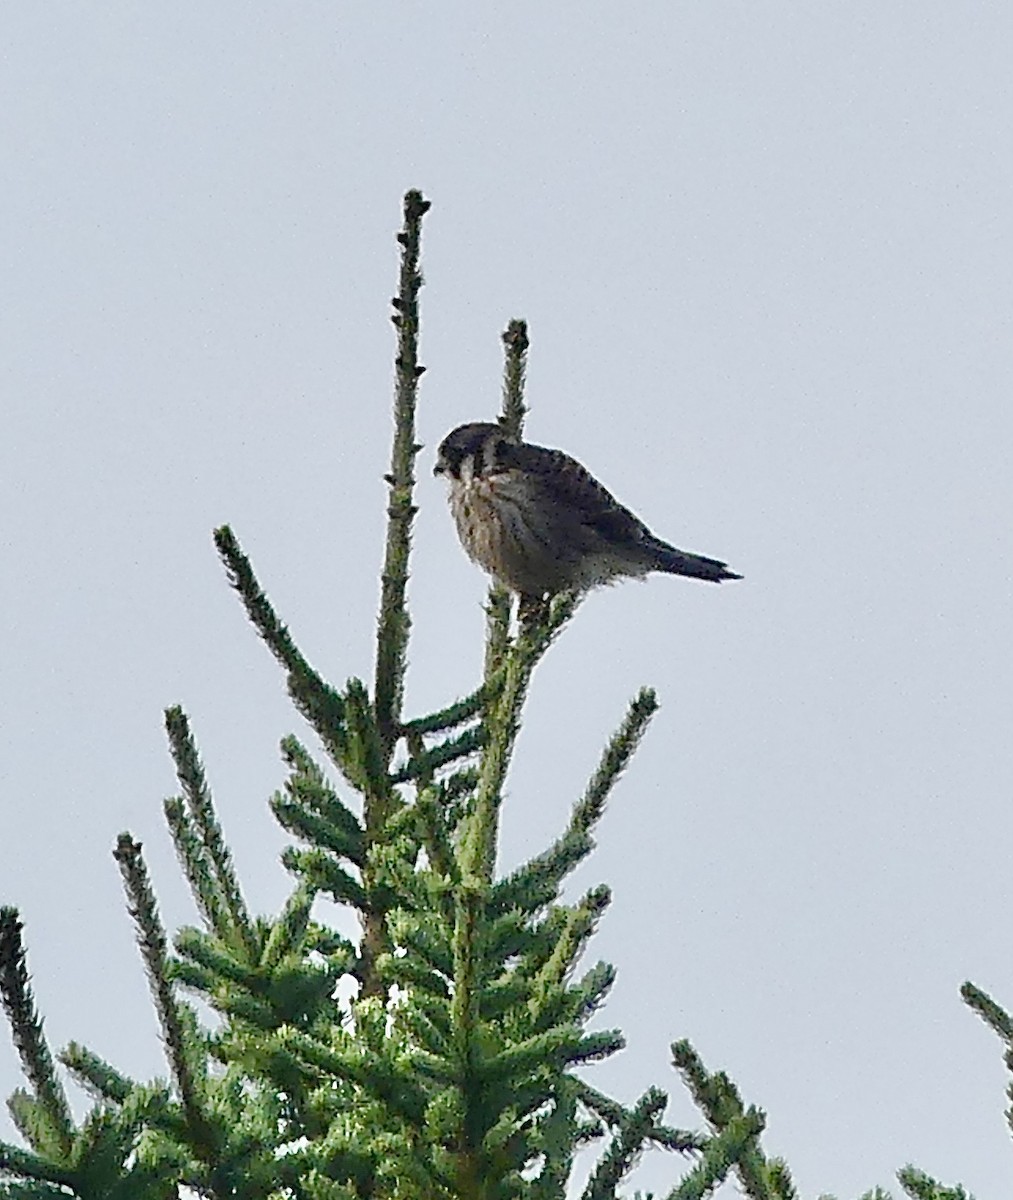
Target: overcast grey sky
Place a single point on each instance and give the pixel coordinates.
(765, 251)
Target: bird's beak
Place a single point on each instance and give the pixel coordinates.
(440, 467)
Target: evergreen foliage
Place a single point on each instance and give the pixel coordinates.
(457, 1071)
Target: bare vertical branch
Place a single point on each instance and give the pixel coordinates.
(515, 340)
(394, 624)
(515, 343)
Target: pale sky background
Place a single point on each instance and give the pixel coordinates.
(765, 252)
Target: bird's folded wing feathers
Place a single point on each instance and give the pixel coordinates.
(566, 483)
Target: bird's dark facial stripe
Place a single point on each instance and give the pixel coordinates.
(475, 449)
(495, 455)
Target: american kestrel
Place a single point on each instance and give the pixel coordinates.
(540, 523)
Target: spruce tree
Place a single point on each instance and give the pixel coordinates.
(458, 1069)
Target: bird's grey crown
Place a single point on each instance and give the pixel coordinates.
(472, 442)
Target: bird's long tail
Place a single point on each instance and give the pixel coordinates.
(678, 562)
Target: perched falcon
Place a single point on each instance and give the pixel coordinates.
(539, 523)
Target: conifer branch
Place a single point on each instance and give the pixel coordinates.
(258, 608)
(719, 1100)
(998, 1020)
(720, 1155)
(434, 1040)
(425, 933)
(613, 1114)
(513, 934)
(458, 785)
(993, 1014)
(206, 952)
(595, 1047)
(453, 715)
(197, 793)
(557, 1143)
(392, 1084)
(502, 726)
(537, 882)
(364, 742)
(713, 1094)
(319, 703)
(30, 1041)
(436, 1011)
(414, 974)
(548, 996)
(298, 818)
(920, 1186)
(497, 629)
(615, 759)
(464, 1005)
(627, 1146)
(196, 978)
(29, 1118)
(18, 1162)
(196, 867)
(97, 1076)
(308, 788)
(424, 764)
(759, 1181)
(684, 1141)
(779, 1180)
(394, 623)
(328, 943)
(151, 939)
(322, 874)
(606, 1112)
(436, 835)
(561, 1046)
(581, 1002)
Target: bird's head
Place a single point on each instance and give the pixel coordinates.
(473, 450)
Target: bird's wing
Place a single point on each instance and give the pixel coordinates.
(566, 483)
